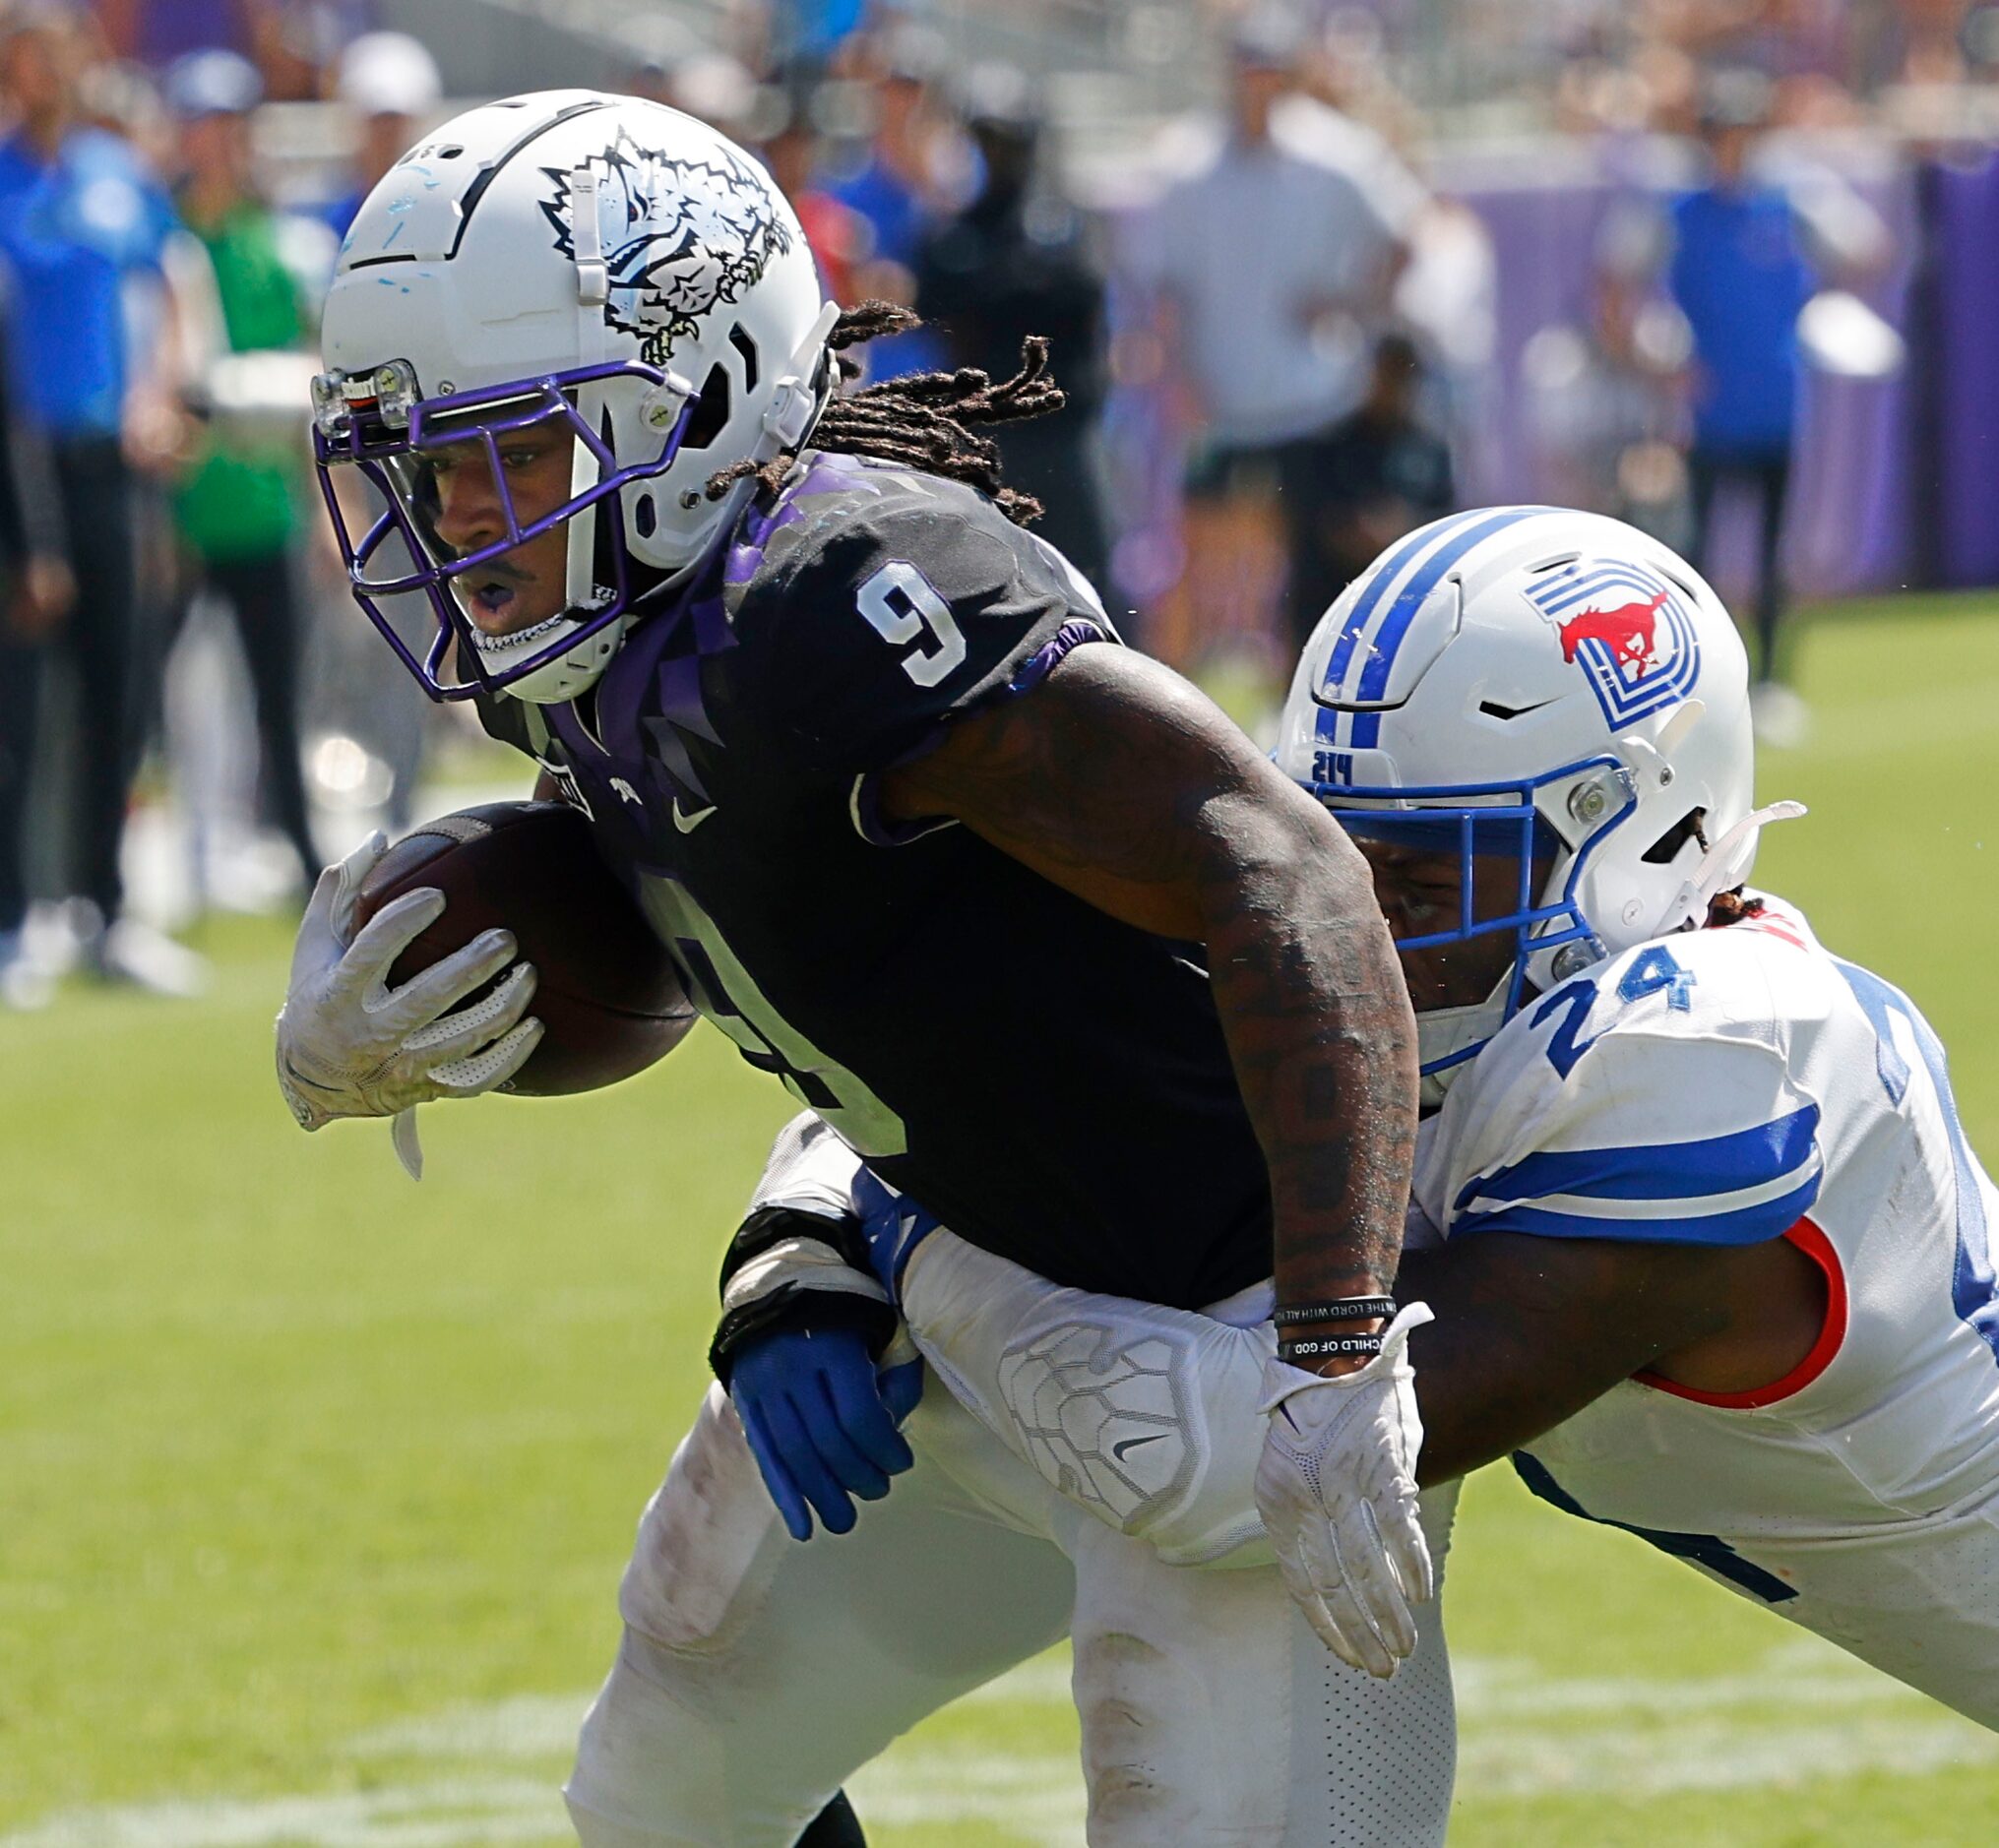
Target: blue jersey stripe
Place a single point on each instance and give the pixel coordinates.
(1702, 1548)
(1403, 611)
(1974, 1287)
(1717, 1164)
(1744, 1225)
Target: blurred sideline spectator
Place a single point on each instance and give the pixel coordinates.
(289, 41)
(36, 589)
(1448, 297)
(1011, 264)
(1273, 264)
(906, 179)
(839, 236)
(367, 712)
(1358, 116)
(1604, 405)
(1377, 475)
(811, 32)
(711, 86)
(389, 84)
(1744, 264)
(79, 219)
(235, 502)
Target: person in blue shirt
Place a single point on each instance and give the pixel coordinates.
(78, 217)
(1741, 274)
(898, 190)
(389, 85)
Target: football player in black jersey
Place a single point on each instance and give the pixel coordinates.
(1014, 911)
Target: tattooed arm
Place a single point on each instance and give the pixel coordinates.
(1530, 1330)
(1122, 783)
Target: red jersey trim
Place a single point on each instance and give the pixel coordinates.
(1815, 1245)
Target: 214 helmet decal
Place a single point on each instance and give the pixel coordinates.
(1560, 702)
(596, 267)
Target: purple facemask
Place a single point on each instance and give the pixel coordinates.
(377, 423)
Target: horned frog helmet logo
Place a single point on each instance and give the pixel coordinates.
(678, 236)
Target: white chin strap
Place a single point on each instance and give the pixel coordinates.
(1726, 862)
(568, 674)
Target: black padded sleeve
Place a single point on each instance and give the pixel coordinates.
(795, 1305)
(889, 621)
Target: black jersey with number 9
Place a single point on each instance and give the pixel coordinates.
(1049, 1081)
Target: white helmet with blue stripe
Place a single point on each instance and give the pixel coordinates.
(1553, 687)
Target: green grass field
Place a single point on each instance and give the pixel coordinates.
(315, 1485)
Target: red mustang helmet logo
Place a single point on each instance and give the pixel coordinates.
(1626, 631)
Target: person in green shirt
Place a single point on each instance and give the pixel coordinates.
(235, 504)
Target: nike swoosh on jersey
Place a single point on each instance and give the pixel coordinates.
(1131, 1444)
(688, 821)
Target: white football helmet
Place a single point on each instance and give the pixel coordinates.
(1556, 687)
(568, 254)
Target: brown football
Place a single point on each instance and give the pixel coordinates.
(606, 993)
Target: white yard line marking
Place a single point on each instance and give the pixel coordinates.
(1036, 1800)
(1495, 1689)
(459, 1813)
(1041, 1683)
(1710, 1755)
(526, 1726)
(1802, 1712)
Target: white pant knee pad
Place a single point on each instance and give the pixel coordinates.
(1144, 1416)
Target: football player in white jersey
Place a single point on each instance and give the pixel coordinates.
(1709, 1248)
(1707, 1242)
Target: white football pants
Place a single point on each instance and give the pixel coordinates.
(1083, 1442)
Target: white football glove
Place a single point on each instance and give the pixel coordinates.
(350, 1046)
(1337, 1487)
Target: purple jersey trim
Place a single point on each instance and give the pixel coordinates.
(824, 474)
(1065, 641)
(865, 807)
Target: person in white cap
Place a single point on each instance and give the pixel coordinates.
(391, 84)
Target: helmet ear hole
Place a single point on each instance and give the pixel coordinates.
(1667, 848)
(645, 517)
(746, 346)
(711, 410)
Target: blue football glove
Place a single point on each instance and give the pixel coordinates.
(893, 1226)
(821, 1422)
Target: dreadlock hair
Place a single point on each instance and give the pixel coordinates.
(1731, 907)
(923, 421)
